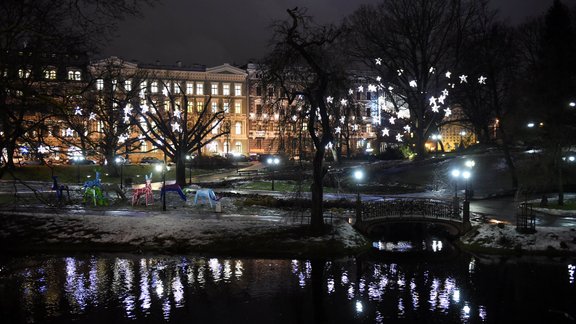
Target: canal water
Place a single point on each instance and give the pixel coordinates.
(392, 285)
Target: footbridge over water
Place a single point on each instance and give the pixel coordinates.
(453, 215)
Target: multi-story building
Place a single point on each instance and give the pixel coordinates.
(219, 89)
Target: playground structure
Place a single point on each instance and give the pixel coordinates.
(146, 191)
(59, 189)
(93, 192)
(207, 196)
(174, 188)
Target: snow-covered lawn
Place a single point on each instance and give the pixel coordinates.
(504, 236)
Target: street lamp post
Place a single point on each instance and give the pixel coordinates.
(162, 168)
(273, 163)
(119, 161)
(358, 176)
(190, 157)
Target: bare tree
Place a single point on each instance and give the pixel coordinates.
(178, 129)
(35, 34)
(304, 62)
(413, 45)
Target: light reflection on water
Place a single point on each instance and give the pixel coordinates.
(172, 288)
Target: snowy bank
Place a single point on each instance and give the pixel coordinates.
(503, 238)
(171, 232)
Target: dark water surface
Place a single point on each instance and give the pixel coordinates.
(196, 289)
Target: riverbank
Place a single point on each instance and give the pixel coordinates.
(172, 232)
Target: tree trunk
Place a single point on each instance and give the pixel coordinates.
(508, 157)
(180, 169)
(317, 217)
(560, 176)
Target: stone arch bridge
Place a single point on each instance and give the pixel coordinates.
(453, 215)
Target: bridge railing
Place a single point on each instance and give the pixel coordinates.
(413, 208)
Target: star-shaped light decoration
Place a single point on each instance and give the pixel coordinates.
(122, 138)
(400, 71)
(126, 119)
(448, 74)
(342, 119)
(177, 113)
(432, 70)
(165, 91)
(432, 101)
(344, 102)
(392, 120)
(176, 127)
(463, 78)
(337, 130)
(390, 88)
(378, 79)
(435, 108)
(407, 128)
(145, 109)
(69, 131)
(92, 116)
(385, 132)
(294, 118)
(445, 92)
(127, 110)
(329, 99)
(77, 111)
(403, 113)
(447, 112)
(399, 137)
(378, 61)
(350, 91)
(360, 88)
(43, 149)
(371, 88)
(413, 84)
(482, 80)
(441, 99)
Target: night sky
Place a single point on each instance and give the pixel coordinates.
(213, 32)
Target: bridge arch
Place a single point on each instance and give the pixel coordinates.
(452, 215)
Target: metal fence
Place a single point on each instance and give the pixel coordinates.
(414, 208)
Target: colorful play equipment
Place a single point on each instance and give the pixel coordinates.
(146, 191)
(172, 187)
(93, 192)
(206, 195)
(60, 189)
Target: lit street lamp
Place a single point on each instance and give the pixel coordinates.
(119, 161)
(189, 158)
(273, 163)
(358, 176)
(456, 175)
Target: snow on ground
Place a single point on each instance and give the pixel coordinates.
(505, 236)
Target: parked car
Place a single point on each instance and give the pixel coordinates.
(81, 162)
(150, 160)
(30, 162)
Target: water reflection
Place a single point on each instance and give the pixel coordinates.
(171, 288)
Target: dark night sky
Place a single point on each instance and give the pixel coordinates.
(213, 32)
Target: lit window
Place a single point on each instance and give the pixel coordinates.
(100, 84)
(189, 88)
(176, 87)
(23, 73)
(214, 107)
(237, 89)
(238, 127)
(190, 106)
(128, 85)
(216, 125)
(238, 147)
(368, 128)
(237, 107)
(200, 89)
(226, 107)
(50, 74)
(154, 87)
(226, 89)
(74, 75)
(214, 90)
(199, 106)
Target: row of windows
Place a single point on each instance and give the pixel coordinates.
(50, 74)
(191, 87)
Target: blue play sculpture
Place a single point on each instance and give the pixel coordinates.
(205, 195)
(59, 189)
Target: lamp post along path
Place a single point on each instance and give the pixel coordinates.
(358, 176)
